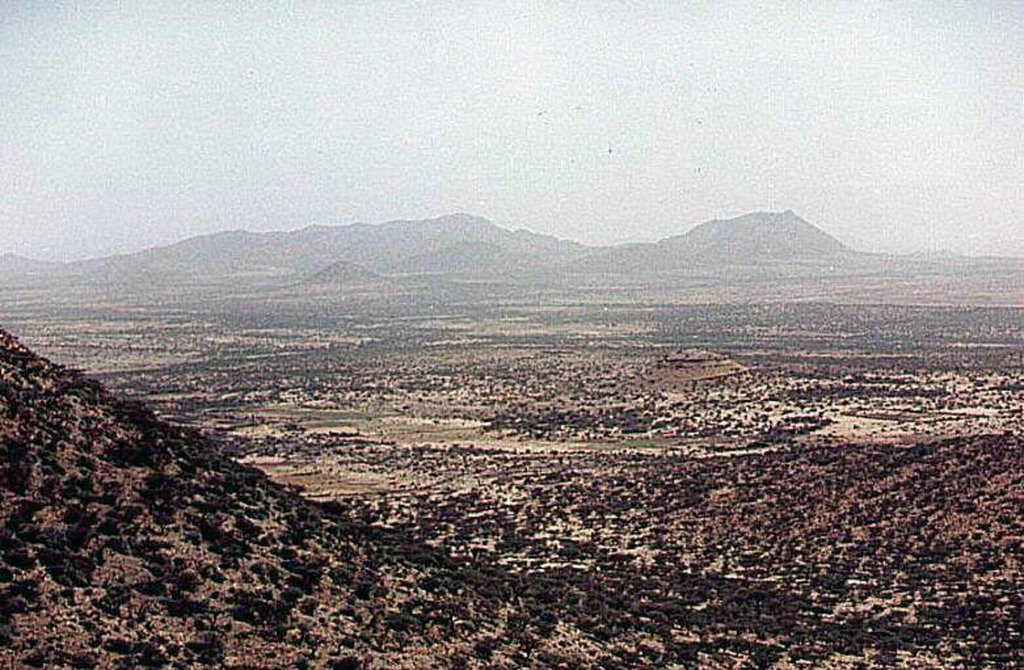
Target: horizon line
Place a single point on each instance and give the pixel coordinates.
(461, 213)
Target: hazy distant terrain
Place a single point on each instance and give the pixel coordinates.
(759, 257)
(443, 443)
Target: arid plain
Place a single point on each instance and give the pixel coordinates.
(800, 482)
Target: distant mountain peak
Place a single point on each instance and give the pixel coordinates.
(761, 218)
(760, 236)
(459, 217)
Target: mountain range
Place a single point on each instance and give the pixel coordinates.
(757, 256)
(454, 244)
(459, 245)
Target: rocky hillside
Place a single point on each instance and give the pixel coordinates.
(125, 542)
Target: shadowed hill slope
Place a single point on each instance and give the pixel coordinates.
(128, 543)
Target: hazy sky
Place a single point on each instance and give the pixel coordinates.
(899, 124)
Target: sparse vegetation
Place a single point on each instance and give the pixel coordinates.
(829, 486)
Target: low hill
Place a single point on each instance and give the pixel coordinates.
(474, 260)
(343, 273)
(13, 264)
(681, 369)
